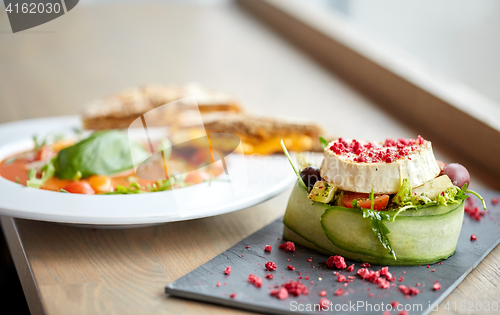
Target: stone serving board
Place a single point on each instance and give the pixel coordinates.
(201, 283)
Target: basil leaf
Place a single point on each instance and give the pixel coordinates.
(102, 153)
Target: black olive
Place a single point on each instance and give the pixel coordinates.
(310, 175)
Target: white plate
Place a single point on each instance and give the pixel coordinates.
(262, 178)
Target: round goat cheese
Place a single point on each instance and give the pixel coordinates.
(361, 166)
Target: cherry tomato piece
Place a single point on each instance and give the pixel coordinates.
(380, 201)
(100, 183)
(80, 187)
(45, 153)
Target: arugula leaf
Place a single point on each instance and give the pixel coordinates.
(48, 171)
(478, 196)
(102, 153)
(290, 160)
(378, 226)
(324, 142)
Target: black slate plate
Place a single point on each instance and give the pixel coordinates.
(201, 283)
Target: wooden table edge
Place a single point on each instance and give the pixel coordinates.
(23, 268)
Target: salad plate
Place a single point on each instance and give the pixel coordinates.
(247, 181)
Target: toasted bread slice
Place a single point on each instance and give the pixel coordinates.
(119, 110)
(263, 135)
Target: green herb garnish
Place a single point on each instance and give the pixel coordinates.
(102, 153)
(160, 185)
(465, 190)
(290, 160)
(378, 226)
(323, 142)
(133, 188)
(47, 170)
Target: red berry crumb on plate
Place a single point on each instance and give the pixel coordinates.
(325, 303)
(288, 246)
(270, 266)
(436, 286)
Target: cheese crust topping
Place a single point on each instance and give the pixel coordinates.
(361, 166)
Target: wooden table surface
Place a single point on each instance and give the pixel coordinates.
(96, 50)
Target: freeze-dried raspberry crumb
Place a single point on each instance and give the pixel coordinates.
(473, 237)
(386, 313)
(336, 262)
(473, 211)
(270, 266)
(339, 291)
(363, 272)
(394, 303)
(233, 295)
(370, 295)
(218, 284)
(288, 246)
(256, 281)
(324, 303)
(247, 246)
(269, 276)
(384, 271)
(280, 293)
(432, 270)
(322, 293)
(350, 268)
(494, 201)
(409, 290)
(403, 313)
(440, 263)
(365, 265)
(295, 288)
(290, 267)
(341, 278)
(227, 271)
(401, 278)
(384, 284)
(389, 277)
(436, 286)
(268, 248)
